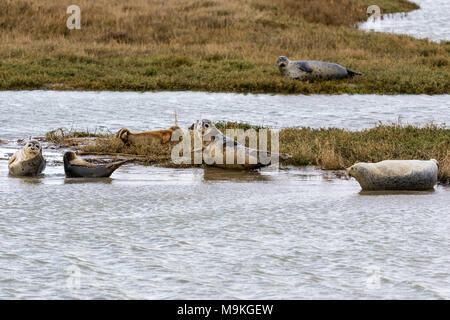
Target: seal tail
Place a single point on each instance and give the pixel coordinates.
(111, 167)
(352, 73)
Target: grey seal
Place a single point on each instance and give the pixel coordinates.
(310, 70)
(217, 146)
(28, 161)
(396, 174)
(75, 167)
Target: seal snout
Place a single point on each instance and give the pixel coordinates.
(352, 170)
(349, 171)
(33, 147)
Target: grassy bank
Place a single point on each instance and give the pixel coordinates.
(332, 149)
(210, 45)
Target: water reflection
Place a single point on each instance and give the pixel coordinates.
(396, 192)
(130, 109)
(29, 180)
(88, 180)
(218, 174)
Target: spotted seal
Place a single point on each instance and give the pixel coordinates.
(396, 174)
(75, 167)
(28, 161)
(310, 70)
(222, 151)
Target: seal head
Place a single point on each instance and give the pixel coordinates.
(282, 62)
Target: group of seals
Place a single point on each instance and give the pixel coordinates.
(29, 161)
(396, 175)
(384, 175)
(310, 70)
(215, 144)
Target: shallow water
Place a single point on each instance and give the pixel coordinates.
(153, 232)
(33, 113)
(431, 21)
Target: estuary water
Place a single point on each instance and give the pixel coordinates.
(150, 232)
(431, 21)
(33, 113)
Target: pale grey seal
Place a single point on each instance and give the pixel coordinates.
(396, 174)
(222, 151)
(28, 161)
(310, 70)
(75, 167)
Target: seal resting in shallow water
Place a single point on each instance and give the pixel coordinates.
(215, 143)
(310, 70)
(75, 167)
(146, 138)
(28, 161)
(396, 174)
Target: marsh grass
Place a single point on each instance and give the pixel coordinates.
(210, 45)
(329, 149)
(64, 136)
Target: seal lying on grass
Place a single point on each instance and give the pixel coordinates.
(396, 175)
(28, 161)
(148, 137)
(215, 143)
(309, 70)
(75, 167)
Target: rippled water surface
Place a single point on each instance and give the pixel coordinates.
(153, 232)
(32, 113)
(431, 21)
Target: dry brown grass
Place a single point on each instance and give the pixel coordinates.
(212, 45)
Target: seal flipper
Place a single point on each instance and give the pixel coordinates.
(13, 158)
(352, 73)
(303, 66)
(111, 167)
